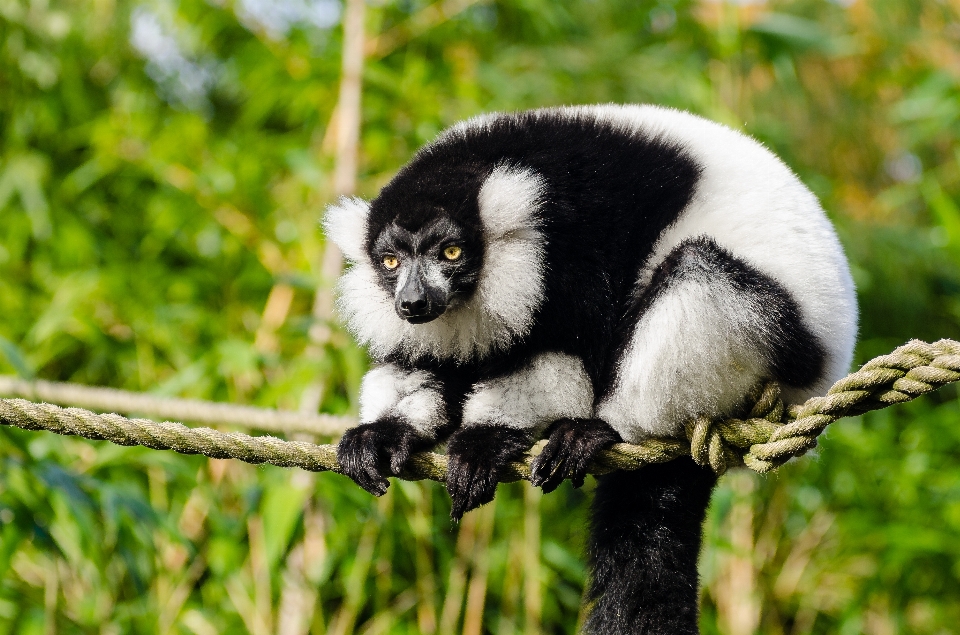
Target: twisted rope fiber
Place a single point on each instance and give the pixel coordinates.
(767, 437)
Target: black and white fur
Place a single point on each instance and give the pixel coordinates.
(622, 270)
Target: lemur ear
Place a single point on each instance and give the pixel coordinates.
(510, 199)
(345, 223)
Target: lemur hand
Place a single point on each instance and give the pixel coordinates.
(476, 457)
(573, 444)
(365, 451)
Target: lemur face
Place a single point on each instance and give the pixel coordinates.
(428, 267)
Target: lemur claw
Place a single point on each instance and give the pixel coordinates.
(573, 444)
(476, 456)
(370, 449)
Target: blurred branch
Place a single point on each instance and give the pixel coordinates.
(193, 410)
(347, 122)
(477, 588)
(532, 584)
(275, 313)
(348, 104)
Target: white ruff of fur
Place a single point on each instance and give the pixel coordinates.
(509, 291)
(346, 225)
(552, 386)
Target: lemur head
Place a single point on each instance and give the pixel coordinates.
(447, 260)
(426, 241)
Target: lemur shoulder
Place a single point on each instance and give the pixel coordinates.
(593, 275)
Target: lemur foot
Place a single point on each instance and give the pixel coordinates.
(573, 444)
(476, 457)
(366, 451)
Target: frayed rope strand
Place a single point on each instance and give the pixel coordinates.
(768, 436)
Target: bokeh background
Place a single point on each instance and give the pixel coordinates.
(163, 166)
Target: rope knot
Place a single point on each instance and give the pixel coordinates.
(723, 444)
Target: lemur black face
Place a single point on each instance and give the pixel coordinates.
(427, 268)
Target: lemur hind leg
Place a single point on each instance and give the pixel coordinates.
(700, 334)
(707, 329)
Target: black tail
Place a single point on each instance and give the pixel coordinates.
(645, 538)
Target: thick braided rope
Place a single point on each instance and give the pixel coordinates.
(913, 369)
(767, 437)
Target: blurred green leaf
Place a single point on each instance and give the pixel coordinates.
(15, 358)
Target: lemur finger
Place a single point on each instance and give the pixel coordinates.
(458, 500)
(476, 455)
(458, 486)
(569, 452)
(347, 453)
(399, 456)
(544, 464)
(375, 483)
(580, 464)
(578, 459)
(551, 460)
(469, 487)
(478, 492)
(368, 476)
(556, 475)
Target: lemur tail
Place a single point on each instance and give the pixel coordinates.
(645, 538)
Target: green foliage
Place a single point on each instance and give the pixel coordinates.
(162, 169)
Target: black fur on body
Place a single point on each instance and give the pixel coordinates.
(604, 195)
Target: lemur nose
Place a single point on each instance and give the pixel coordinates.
(414, 307)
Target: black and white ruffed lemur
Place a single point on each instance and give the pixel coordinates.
(592, 275)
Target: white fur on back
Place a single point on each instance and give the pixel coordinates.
(414, 397)
(346, 225)
(509, 291)
(552, 386)
(751, 204)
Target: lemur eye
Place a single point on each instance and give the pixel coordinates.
(452, 252)
(391, 262)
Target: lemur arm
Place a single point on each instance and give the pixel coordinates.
(401, 411)
(503, 416)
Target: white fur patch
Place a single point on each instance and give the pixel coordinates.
(694, 352)
(414, 396)
(346, 225)
(552, 386)
(509, 291)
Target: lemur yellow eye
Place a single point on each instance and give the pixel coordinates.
(452, 253)
(391, 262)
